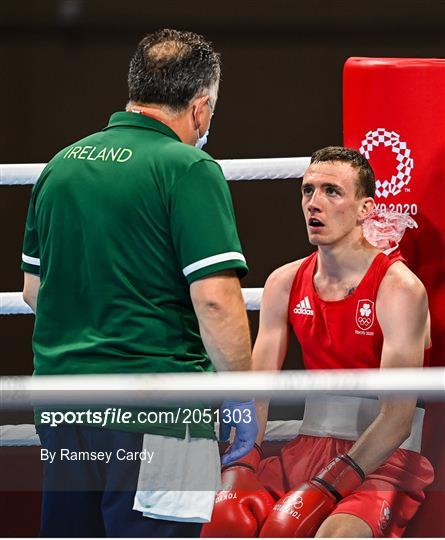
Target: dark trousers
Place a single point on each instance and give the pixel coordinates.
(92, 498)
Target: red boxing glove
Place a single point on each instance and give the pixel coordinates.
(242, 505)
(301, 511)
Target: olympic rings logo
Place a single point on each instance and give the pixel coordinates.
(364, 316)
(380, 136)
(295, 504)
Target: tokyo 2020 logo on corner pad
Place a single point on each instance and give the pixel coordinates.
(405, 163)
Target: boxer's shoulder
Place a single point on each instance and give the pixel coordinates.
(275, 300)
(281, 279)
(400, 280)
(402, 302)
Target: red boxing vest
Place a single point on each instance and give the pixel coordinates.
(342, 334)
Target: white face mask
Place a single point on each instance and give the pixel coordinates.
(202, 140)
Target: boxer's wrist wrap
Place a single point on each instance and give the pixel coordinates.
(249, 461)
(340, 477)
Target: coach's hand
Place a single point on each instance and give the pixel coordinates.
(243, 503)
(242, 416)
(301, 511)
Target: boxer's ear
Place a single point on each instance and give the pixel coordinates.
(367, 205)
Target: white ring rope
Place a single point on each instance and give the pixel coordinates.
(12, 303)
(264, 168)
(25, 434)
(252, 298)
(234, 169)
(160, 388)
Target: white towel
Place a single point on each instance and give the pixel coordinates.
(180, 482)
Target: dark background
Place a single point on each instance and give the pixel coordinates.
(63, 66)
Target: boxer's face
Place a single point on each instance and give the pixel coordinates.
(330, 206)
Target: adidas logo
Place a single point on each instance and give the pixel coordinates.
(303, 307)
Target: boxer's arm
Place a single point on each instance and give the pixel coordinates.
(402, 311)
(31, 287)
(273, 333)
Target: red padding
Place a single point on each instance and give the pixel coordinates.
(394, 112)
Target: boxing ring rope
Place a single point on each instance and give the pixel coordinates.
(234, 169)
(25, 434)
(11, 303)
(159, 388)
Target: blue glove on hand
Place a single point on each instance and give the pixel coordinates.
(242, 416)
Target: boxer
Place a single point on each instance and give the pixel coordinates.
(355, 468)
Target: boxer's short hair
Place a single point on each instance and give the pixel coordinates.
(366, 178)
(170, 68)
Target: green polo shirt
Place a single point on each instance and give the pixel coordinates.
(119, 225)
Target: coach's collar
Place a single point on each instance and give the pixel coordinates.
(131, 119)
